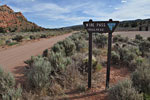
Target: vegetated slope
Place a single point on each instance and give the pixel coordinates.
(132, 25)
(11, 21)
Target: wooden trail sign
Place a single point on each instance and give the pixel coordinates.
(100, 27)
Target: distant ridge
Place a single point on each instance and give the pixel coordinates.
(130, 25)
(11, 21)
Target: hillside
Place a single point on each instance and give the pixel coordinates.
(11, 21)
(132, 25)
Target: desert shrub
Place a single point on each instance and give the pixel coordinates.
(118, 38)
(80, 42)
(8, 41)
(148, 38)
(45, 53)
(135, 63)
(138, 37)
(144, 47)
(12, 43)
(32, 37)
(126, 56)
(135, 50)
(116, 47)
(99, 67)
(124, 91)
(72, 76)
(43, 36)
(7, 87)
(84, 67)
(146, 96)
(2, 42)
(32, 60)
(69, 46)
(58, 61)
(38, 74)
(58, 48)
(18, 38)
(100, 40)
(12, 94)
(141, 79)
(76, 36)
(139, 61)
(2, 30)
(81, 45)
(96, 52)
(115, 58)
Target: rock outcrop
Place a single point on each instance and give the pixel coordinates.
(11, 21)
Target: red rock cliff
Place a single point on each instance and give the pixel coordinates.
(12, 21)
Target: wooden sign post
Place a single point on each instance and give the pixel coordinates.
(100, 27)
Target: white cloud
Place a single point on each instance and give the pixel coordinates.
(77, 13)
(116, 8)
(133, 9)
(123, 1)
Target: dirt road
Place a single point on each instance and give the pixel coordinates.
(13, 58)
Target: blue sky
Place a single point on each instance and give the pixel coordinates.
(61, 13)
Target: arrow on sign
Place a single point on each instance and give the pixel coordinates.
(111, 26)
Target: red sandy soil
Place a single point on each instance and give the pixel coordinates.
(98, 90)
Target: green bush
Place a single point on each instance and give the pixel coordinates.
(116, 47)
(118, 38)
(2, 30)
(58, 61)
(100, 40)
(12, 43)
(115, 58)
(45, 53)
(144, 47)
(148, 38)
(96, 52)
(80, 42)
(146, 96)
(124, 91)
(43, 36)
(138, 37)
(81, 45)
(84, 67)
(32, 60)
(7, 87)
(135, 50)
(126, 56)
(13, 94)
(76, 36)
(141, 79)
(8, 41)
(18, 38)
(38, 75)
(69, 46)
(58, 48)
(2, 42)
(32, 37)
